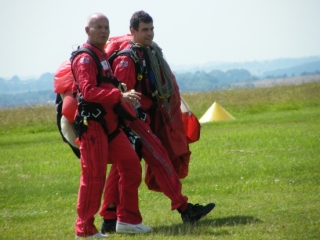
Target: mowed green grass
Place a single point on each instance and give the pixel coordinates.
(262, 171)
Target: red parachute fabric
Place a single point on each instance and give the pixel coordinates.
(117, 43)
(69, 106)
(191, 123)
(63, 79)
(191, 126)
(62, 84)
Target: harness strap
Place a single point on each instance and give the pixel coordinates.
(94, 112)
(142, 68)
(88, 110)
(142, 114)
(95, 58)
(154, 92)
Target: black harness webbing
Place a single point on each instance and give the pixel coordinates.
(143, 73)
(100, 78)
(142, 68)
(153, 88)
(88, 110)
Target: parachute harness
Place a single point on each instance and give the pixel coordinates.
(150, 64)
(89, 110)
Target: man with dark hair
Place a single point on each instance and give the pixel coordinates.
(164, 145)
(101, 137)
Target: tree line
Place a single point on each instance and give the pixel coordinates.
(15, 92)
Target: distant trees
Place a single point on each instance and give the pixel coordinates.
(215, 79)
(27, 99)
(15, 92)
(15, 85)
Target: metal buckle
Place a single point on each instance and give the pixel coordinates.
(144, 116)
(96, 115)
(83, 115)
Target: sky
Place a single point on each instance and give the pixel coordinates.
(38, 35)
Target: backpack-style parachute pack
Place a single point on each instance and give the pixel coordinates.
(66, 104)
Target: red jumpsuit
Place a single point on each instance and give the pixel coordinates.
(95, 149)
(153, 151)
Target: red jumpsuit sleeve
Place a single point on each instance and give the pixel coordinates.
(85, 71)
(124, 70)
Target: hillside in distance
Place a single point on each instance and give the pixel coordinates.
(257, 68)
(16, 92)
(301, 69)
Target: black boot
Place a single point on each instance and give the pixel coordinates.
(195, 212)
(108, 226)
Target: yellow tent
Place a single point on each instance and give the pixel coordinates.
(216, 113)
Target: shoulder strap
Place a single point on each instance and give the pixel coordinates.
(153, 88)
(100, 78)
(125, 52)
(139, 67)
(93, 55)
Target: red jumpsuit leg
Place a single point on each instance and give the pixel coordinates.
(111, 194)
(158, 160)
(94, 155)
(129, 169)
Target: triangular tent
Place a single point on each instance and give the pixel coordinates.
(216, 113)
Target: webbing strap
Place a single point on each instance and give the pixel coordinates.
(139, 68)
(151, 76)
(93, 55)
(87, 108)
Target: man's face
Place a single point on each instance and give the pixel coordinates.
(98, 31)
(144, 35)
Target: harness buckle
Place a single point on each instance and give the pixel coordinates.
(143, 116)
(96, 115)
(83, 114)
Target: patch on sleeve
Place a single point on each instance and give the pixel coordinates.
(123, 64)
(85, 60)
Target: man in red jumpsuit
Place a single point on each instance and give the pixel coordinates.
(160, 99)
(94, 145)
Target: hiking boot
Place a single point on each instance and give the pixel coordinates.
(97, 235)
(195, 212)
(108, 226)
(122, 227)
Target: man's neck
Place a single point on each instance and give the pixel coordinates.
(101, 48)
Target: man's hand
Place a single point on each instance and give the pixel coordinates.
(131, 96)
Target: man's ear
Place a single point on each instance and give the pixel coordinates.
(87, 29)
(132, 31)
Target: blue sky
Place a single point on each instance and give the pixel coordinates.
(38, 35)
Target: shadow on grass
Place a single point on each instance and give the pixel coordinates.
(232, 220)
(206, 226)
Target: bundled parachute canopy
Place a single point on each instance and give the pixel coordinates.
(62, 84)
(191, 123)
(116, 43)
(63, 79)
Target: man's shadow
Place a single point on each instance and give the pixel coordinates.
(188, 229)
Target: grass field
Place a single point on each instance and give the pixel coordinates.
(262, 171)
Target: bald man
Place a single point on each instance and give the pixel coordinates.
(97, 126)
